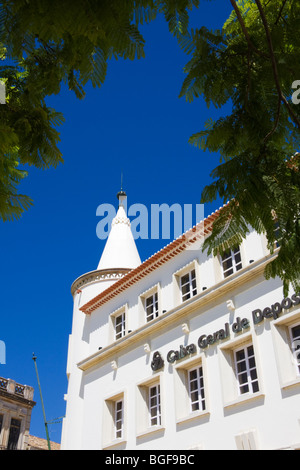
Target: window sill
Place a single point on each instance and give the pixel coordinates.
(244, 399)
(192, 416)
(114, 443)
(152, 430)
(291, 383)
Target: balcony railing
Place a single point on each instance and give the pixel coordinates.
(19, 390)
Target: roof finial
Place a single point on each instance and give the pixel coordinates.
(121, 194)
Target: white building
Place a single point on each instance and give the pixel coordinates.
(183, 351)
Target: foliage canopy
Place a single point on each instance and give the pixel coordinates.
(250, 63)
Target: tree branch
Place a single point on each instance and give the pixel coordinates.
(274, 65)
(291, 112)
(276, 121)
(269, 40)
(245, 31)
(248, 78)
(280, 11)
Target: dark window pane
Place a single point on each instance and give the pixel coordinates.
(14, 433)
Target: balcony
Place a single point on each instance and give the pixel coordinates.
(16, 389)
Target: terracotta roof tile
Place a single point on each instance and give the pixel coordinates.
(38, 443)
(156, 260)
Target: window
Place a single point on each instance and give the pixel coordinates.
(191, 402)
(120, 326)
(188, 285)
(186, 282)
(151, 305)
(118, 323)
(286, 333)
(149, 407)
(118, 405)
(196, 389)
(231, 262)
(295, 343)
(246, 370)
(240, 370)
(154, 405)
(277, 234)
(114, 418)
(14, 433)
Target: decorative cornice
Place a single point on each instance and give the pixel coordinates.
(179, 313)
(98, 276)
(120, 220)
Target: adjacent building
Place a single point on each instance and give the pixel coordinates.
(184, 350)
(16, 404)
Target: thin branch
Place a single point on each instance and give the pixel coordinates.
(245, 31)
(248, 79)
(269, 40)
(291, 112)
(274, 65)
(276, 121)
(280, 11)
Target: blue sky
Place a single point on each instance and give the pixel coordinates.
(136, 124)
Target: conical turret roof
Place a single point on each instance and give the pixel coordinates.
(120, 250)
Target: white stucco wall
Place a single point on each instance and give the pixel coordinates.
(271, 415)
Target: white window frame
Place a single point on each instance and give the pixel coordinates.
(287, 364)
(177, 282)
(120, 313)
(183, 409)
(200, 402)
(111, 435)
(230, 386)
(155, 307)
(248, 371)
(154, 405)
(295, 346)
(277, 241)
(235, 266)
(120, 325)
(119, 431)
(191, 283)
(144, 426)
(150, 293)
